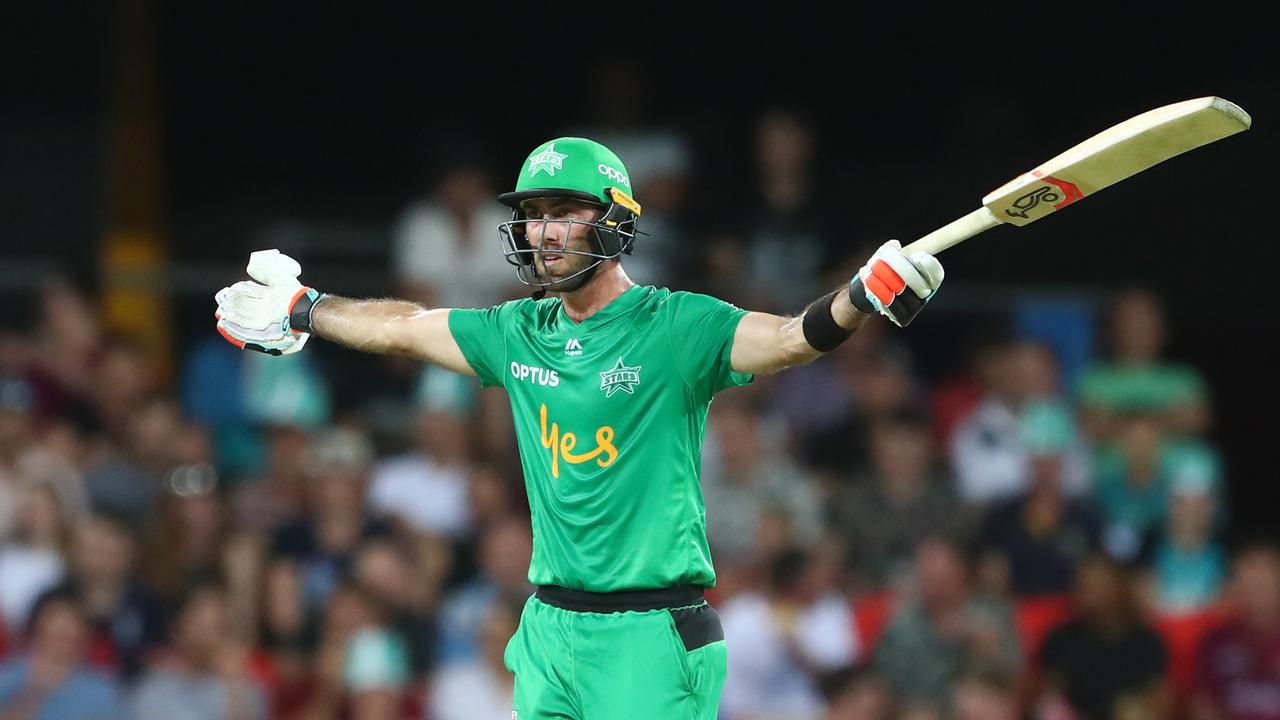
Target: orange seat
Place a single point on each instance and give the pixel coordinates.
(1036, 616)
(871, 613)
(1182, 636)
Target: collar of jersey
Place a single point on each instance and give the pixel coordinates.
(618, 306)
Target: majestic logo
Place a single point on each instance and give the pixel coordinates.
(620, 377)
(548, 160)
(573, 348)
(1065, 194)
(613, 174)
(562, 445)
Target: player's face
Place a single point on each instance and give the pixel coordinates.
(557, 234)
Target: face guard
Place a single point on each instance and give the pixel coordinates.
(610, 237)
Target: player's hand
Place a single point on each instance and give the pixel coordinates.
(255, 314)
(895, 285)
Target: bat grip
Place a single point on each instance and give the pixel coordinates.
(953, 233)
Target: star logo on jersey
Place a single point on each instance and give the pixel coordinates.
(573, 348)
(548, 161)
(620, 377)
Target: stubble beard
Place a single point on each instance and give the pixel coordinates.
(571, 281)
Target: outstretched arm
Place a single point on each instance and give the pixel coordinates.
(275, 314)
(890, 284)
(765, 343)
(395, 327)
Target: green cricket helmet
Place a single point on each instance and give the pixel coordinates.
(577, 169)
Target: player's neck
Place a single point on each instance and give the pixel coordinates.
(609, 283)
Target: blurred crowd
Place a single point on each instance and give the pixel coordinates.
(328, 536)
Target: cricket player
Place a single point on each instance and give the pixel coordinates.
(609, 384)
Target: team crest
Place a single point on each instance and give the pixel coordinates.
(548, 161)
(620, 377)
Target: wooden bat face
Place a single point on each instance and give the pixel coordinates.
(1113, 155)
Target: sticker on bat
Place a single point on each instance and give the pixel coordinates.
(1031, 201)
(1065, 194)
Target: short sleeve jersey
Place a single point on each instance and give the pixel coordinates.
(610, 415)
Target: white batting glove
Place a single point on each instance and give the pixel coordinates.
(895, 285)
(270, 314)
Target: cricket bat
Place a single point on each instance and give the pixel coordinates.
(1112, 155)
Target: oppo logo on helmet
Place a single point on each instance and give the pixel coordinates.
(613, 174)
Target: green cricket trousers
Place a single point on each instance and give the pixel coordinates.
(647, 654)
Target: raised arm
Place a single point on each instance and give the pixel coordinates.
(275, 314)
(890, 284)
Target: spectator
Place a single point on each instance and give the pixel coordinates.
(1190, 565)
(16, 403)
(1029, 544)
(426, 489)
(1137, 378)
(288, 639)
(747, 475)
(325, 543)
(1104, 662)
(184, 543)
(987, 448)
(127, 481)
(857, 693)
(220, 406)
(903, 500)
(786, 236)
(1133, 484)
(67, 350)
(831, 404)
(445, 245)
(361, 668)
(481, 687)
(942, 630)
(51, 679)
(25, 457)
(505, 550)
(289, 391)
(383, 570)
(491, 497)
(784, 637)
(207, 674)
(34, 560)
(126, 380)
(125, 618)
(957, 395)
(1238, 665)
(985, 694)
(1135, 475)
(264, 504)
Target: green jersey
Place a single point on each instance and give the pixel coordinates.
(609, 417)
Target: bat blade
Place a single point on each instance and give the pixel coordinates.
(1112, 155)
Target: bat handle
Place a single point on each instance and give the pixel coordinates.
(953, 233)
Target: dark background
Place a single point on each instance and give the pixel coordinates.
(334, 113)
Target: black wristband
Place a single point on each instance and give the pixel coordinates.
(858, 296)
(821, 330)
(300, 313)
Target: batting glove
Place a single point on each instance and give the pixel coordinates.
(894, 285)
(270, 314)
